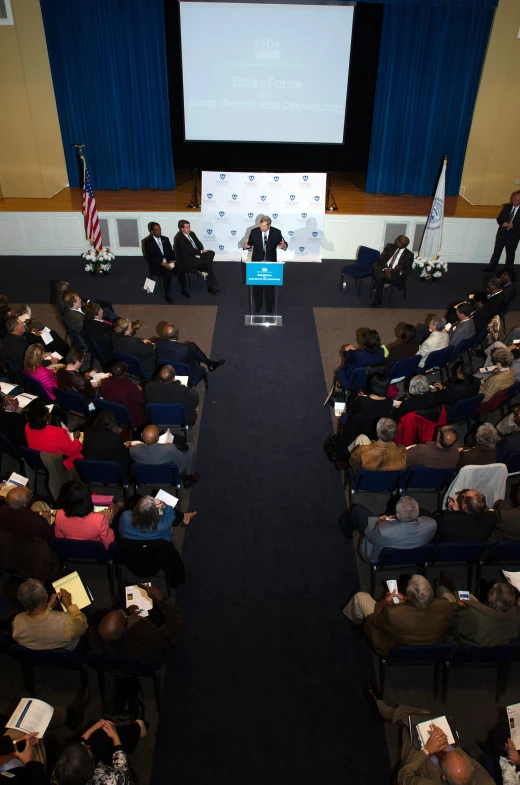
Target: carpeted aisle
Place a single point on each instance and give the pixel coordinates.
(267, 682)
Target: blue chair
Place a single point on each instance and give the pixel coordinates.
(469, 554)
(480, 337)
(366, 481)
(13, 371)
(462, 347)
(76, 337)
(156, 475)
(435, 654)
(413, 558)
(134, 366)
(391, 287)
(356, 379)
(505, 555)
(120, 412)
(425, 479)
(499, 657)
(513, 463)
(35, 387)
(139, 666)
(33, 459)
(170, 415)
(361, 269)
(438, 359)
(62, 659)
(95, 351)
(405, 368)
(108, 473)
(464, 410)
(7, 446)
(85, 552)
(72, 402)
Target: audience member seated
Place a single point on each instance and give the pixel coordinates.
(418, 618)
(17, 517)
(72, 379)
(76, 519)
(124, 342)
(125, 634)
(500, 379)
(165, 389)
(95, 328)
(420, 399)
(513, 348)
(381, 455)
(48, 438)
(61, 289)
(510, 443)
(12, 422)
(73, 316)
(16, 341)
(154, 453)
(461, 386)
(393, 266)
(118, 388)
(171, 351)
(438, 762)
(443, 453)
(363, 413)
(438, 339)
(485, 449)
(496, 623)
(508, 285)
(33, 366)
(465, 519)
(151, 519)
(372, 353)
(508, 520)
(482, 314)
(406, 529)
(495, 299)
(407, 348)
(465, 327)
(39, 626)
(103, 441)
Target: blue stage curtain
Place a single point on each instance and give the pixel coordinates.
(108, 63)
(430, 63)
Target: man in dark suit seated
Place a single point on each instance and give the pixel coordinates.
(16, 341)
(508, 233)
(118, 388)
(70, 378)
(190, 255)
(159, 254)
(481, 314)
(462, 385)
(124, 342)
(154, 453)
(171, 351)
(464, 328)
(103, 441)
(495, 298)
(465, 519)
(17, 517)
(394, 264)
(95, 328)
(164, 388)
(508, 285)
(443, 453)
(73, 315)
(265, 241)
(510, 443)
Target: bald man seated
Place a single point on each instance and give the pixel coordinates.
(17, 517)
(126, 634)
(170, 350)
(164, 388)
(438, 762)
(152, 452)
(443, 453)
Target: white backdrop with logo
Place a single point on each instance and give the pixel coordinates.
(233, 202)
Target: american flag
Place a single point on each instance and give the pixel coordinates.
(92, 228)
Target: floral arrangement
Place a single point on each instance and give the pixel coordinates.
(98, 261)
(431, 269)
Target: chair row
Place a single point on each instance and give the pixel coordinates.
(421, 479)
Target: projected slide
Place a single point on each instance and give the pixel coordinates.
(265, 73)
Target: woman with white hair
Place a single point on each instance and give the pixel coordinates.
(438, 339)
(420, 399)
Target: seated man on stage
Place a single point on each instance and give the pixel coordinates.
(159, 254)
(265, 240)
(190, 255)
(394, 264)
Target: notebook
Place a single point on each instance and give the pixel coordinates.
(423, 729)
(80, 593)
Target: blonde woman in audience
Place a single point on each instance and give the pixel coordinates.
(33, 366)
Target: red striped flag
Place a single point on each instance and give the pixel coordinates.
(92, 227)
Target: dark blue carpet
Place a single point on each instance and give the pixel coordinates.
(267, 683)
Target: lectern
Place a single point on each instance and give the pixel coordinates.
(264, 274)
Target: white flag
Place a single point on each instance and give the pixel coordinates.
(432, 238)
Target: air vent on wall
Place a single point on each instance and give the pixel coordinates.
(6, 13)
(394, 230)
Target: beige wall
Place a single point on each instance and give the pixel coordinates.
(492, 162)
(32, 163)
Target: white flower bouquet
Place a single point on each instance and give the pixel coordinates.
(98, 261)
(431, 269)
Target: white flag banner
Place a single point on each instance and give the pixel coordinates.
(429, 259)
(234, 202)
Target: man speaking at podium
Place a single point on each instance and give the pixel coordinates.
(264, 240)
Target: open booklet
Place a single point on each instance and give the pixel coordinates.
(136, 595)
(513, 719)
(513, 578)
(31, 716)
(79, 593)
(424, 729)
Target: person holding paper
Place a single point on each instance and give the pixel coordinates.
(152, 519)
(438, 762)
(161, 259)
(76, 519)
(124, 342)
(71, 378)
(164, 388)
(191, 255)
(44, 437)
(17, 517)
(33, 367)
(152, 451)
(16, 342)
(39, 626)
(265, 241)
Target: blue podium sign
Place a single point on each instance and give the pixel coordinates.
(264, 273)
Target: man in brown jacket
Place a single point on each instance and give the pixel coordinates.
(383, 455)
(418, 619)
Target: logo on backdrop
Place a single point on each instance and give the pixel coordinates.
(275, 216)
(263, 198)
(221, 247)
(290, 234)
(209, 231)
(234, 231)
(251, 177)
(305, 178)
(222, 176)
(436, 214)
(267, 49)
(210, 196)
(250, 215)
(222, 213)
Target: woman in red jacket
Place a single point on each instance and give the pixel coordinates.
(44, 437)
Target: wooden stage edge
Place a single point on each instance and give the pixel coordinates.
(346, 187)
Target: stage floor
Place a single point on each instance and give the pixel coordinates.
(347, 188)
